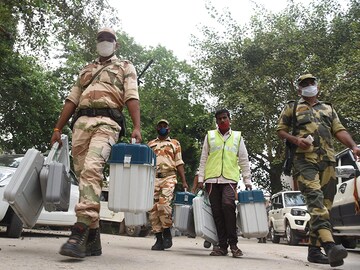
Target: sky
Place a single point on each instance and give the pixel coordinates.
(171, 23)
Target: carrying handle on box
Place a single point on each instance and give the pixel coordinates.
(133, 140)
(52, 153)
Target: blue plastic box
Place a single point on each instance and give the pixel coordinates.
(132, 154)
(132, 178)
(184, 198)
(248, 196)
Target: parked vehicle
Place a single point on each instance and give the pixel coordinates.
(8, 218)
(288, 217)
(345, 212)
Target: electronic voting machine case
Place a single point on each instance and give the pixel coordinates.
(252, 216)
(132, 178)
(55, 177)
(23, 193)
(203, 219)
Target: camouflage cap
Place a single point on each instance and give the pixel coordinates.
(305, 76)
(107, 30)
(163, 121)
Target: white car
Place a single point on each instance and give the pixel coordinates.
(344, 216)
(8, 218)
(288, 217)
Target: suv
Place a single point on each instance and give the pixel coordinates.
(345, 212)
(288, 217)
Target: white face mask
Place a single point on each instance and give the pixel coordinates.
(105, 48)
(309, 91)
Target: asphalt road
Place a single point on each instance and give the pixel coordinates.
(40, 250)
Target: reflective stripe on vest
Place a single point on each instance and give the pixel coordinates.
(223, 159)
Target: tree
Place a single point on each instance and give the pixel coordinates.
(29, 98)
(168, 92)
(251, 70)
(29, 105)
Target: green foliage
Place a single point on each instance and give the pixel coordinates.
(167, 91)
(29, 105)
(47, 24)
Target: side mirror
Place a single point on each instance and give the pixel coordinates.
(345, 171)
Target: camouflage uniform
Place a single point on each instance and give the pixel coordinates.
(94, 136)
(314, 168)
(168, 157)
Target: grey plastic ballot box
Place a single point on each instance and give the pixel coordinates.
(23, 193)
(55, 178)
(204, 221)
(132, 219)
(57, 196)
(181, 217)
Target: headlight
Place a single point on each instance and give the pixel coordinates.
(298, 212)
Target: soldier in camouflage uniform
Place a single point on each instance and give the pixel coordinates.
(103, 88)
(168, 163)
(314, 163)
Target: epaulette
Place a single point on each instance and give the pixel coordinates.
(125, 61)
(119, 61)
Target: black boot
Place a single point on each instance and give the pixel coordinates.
(316, 256)
(335, 253)
(93, 245)
(159, 242)
(76, 245)
(167, 238)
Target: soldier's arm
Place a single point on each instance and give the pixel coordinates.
(67, 111)
(345, 138)
(181, 172)
(133, 106)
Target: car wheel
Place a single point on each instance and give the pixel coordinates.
(290, 235)
(14, 229)
(207, 244)
(274, 238)
(144, 231)
(133, 231)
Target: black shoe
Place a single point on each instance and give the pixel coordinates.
(167, 238)
(93, 245)
(335, 253)
(316, 256)
(76, 244)
(159, 245)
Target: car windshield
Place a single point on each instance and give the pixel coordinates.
(10, 160)
(294, 199)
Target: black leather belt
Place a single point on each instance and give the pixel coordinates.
(163, 175)
(92, 112)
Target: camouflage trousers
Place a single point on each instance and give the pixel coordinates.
(91, 146)
(160, 215)
(317, 183)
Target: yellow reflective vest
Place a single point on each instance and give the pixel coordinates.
(223, 158)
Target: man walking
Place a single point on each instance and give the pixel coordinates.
(316, 123)
(223, 156)
(103, 88)
(168, 163)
